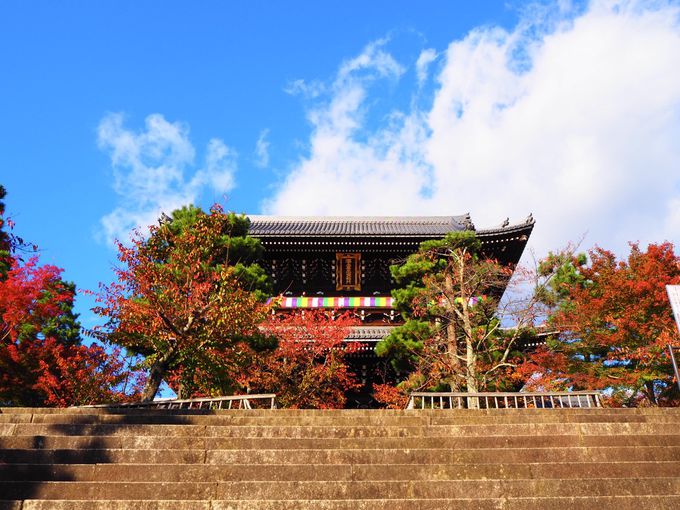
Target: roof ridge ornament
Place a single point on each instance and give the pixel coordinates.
(465, 221)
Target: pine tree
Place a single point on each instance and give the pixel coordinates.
(448, 293)
(5, 239)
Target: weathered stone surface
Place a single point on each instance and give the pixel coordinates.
(343, 490)
(345, 456)
(343, 431)
(224, 443)
(94, 456)
(334, 472)
(427, 418)
(336, 412)
(557, 503)
(443, 456)
(358, 459)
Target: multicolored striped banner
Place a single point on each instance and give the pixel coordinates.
(346, 302)
(333, 302)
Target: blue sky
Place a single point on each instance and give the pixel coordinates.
(113, 111)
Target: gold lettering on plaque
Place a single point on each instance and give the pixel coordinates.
(348, 271)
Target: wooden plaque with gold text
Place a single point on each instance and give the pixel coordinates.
(348, 271)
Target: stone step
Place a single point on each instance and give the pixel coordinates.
(345, 455)
(340, 490)
(259, 417)
(221, 443)
(221, 419)
(442, 418)
(528, 503)
(501, 459)
(334, 472)
(365, 412)
(340, 431)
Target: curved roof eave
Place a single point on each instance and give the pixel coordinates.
(380, 226)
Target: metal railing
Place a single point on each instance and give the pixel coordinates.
(510, 400)
(232, 402)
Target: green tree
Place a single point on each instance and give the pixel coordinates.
(5, 239)
(452, 339)
(189, 299)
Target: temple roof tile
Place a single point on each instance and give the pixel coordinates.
(388, 226)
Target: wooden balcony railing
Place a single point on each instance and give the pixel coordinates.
(515, 400)
(266, 401)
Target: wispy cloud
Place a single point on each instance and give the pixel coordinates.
(154, 171)
(309, 89)
(425, 58)
(262, 149)
(573, 115)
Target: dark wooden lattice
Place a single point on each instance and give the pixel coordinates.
(288, 276)
(377, 276)
(320, 276)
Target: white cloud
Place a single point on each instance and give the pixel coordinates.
(301, 87)
(374, 60)
(425, 58)
(262, 149)
(574, 116)
(220, 167)
(149, 170)
(340, 171)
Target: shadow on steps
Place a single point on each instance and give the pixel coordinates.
(27, 462)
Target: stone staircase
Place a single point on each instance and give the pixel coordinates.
(353, 459)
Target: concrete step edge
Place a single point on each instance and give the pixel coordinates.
(359, 449)
(422, 472)
(561, 503)
(345, 491)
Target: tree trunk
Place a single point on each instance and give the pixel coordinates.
(470, 353)
(156, 376)
(451, 339)
(471, 375)
(452, 351)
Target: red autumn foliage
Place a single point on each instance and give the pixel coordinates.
(309, 368)
(616, 323)
(180, 302)
(47, 369)
(29, 295)
(390, 396)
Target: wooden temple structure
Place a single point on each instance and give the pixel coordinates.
(344, 263)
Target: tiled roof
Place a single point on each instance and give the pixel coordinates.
(369, 333)
(309, 226)
(506, 228)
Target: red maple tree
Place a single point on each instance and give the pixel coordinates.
(188, 299)
(42, 359)
(615, 326)
(309, 368)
